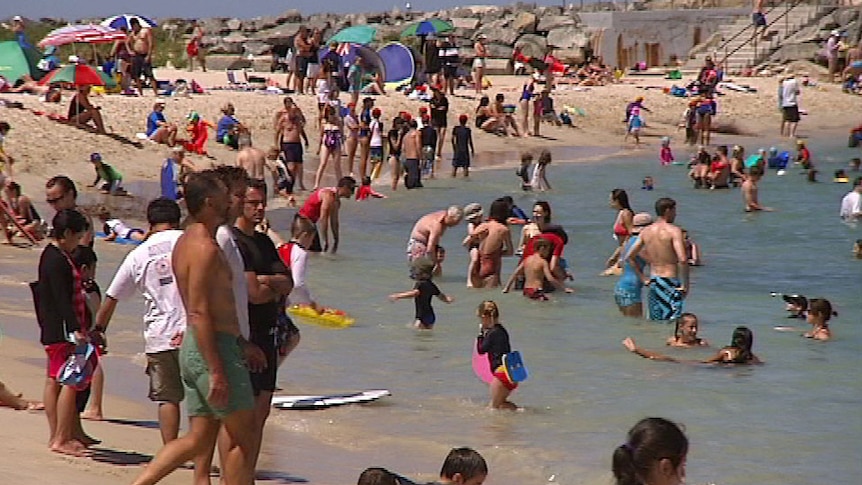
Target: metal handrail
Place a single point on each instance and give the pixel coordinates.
(788, 7)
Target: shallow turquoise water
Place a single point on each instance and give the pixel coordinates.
(795, 420)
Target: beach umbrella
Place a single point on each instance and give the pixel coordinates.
(86, 33)
(426, 27)
(78, 75)
(358, 34)
(17, 61)
(122, 20)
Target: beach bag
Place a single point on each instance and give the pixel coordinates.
(77, 371)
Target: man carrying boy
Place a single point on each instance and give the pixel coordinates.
(536, 269)
(147, 271)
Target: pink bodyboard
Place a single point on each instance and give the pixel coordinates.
(481, 366)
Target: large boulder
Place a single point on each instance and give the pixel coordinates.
(498, 31)
(524, 23)
(283, 31)
(222, 47)
(499, 51)
(532, 45)
(214, 26)
(568, 37)
(550, 22)
(793, 52)
(291, 16)
(845, 15)
(234, 24)
(256, 48)
(467, 23)
(227, 62)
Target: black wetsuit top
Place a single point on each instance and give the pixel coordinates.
(427, 291)
(495, 343)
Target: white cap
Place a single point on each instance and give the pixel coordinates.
(835, 33)
(17, 18)
(74, 59)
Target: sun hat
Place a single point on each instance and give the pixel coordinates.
(641, 220)
(17, 18)
(472, 211)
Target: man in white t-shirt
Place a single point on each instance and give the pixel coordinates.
(147, 271)
(851, 204)
(790, 105)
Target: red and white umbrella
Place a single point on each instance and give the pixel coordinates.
(87, 34)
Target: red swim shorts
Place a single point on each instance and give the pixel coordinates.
(535, 294)
(57, 355)
(500, 374)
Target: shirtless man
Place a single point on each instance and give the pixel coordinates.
(536, 269)
(140, 43)
(428, 230)
(289, 130)
(749, 191)
(218, 389)
(411, 147)
(665, 246)
(254, 161)
(323, 205)
(495, 242)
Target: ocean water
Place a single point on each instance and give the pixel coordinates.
(795, 420)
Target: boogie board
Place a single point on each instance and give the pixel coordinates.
(512, 363)
(323, 402)
(119, 240)
(168, 181)
(514, 366)
(330, 318)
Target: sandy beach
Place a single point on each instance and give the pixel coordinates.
(43, 148)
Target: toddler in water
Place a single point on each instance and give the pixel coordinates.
(647, 183)
(857, 249)
(493, 341)
(819, 313)
(365, 191)
(666, 155)
(524, 171)
(422, 292)
(685, 332)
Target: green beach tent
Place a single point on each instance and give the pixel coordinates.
(17, 61)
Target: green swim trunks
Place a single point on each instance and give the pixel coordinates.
(196, 376)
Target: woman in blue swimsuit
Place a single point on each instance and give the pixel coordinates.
(627, 292)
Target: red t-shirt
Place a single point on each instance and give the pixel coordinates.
(557, 241)
(717, 166)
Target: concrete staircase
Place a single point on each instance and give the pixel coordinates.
(744, 52)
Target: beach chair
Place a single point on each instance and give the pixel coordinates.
(235, 83)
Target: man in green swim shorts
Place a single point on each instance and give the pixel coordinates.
(213, 354)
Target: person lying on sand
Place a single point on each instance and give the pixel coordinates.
(15, 401)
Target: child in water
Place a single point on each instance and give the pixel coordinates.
(738, 352)
(365, 191)
(692, 250)
(857, 249)
(685, 332)
(819, 313)
(422, 292)
(666, 155)
(493, 340)
(524, 171)
(796, 305)
(648, 183)
(535, 269)
(654, 454)
(540, 180)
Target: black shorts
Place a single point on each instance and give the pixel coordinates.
(791, 114)
(292, 151)
(438, 122)
(758, 19)
(450, 71)
(140, 67)
(264, 337)
(302, 65)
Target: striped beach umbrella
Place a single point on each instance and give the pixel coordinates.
(78, 75)
(122, 21)
(87, 34)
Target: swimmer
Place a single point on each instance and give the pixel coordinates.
(473, 215)
(857, 249)
(855, 164)
(819, 313)
(647, 183)
(685, 332)
(535, 269)
(627, 292)
(495, 241)
(654, 453)
(796, 305)
(692, 250)
(463, 466)
(738, 352)
(422, 292)
(493, 341)
(840, 177)
(749, 191)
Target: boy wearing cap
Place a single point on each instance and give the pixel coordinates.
(462, 147)
(158, 128)
(113, 180)
(429, 141)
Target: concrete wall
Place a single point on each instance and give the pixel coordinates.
(653, 36)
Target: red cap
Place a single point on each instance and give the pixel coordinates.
(426, 118)
(463, 118)
(406, 116)
(423, 109)
(376, 112)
